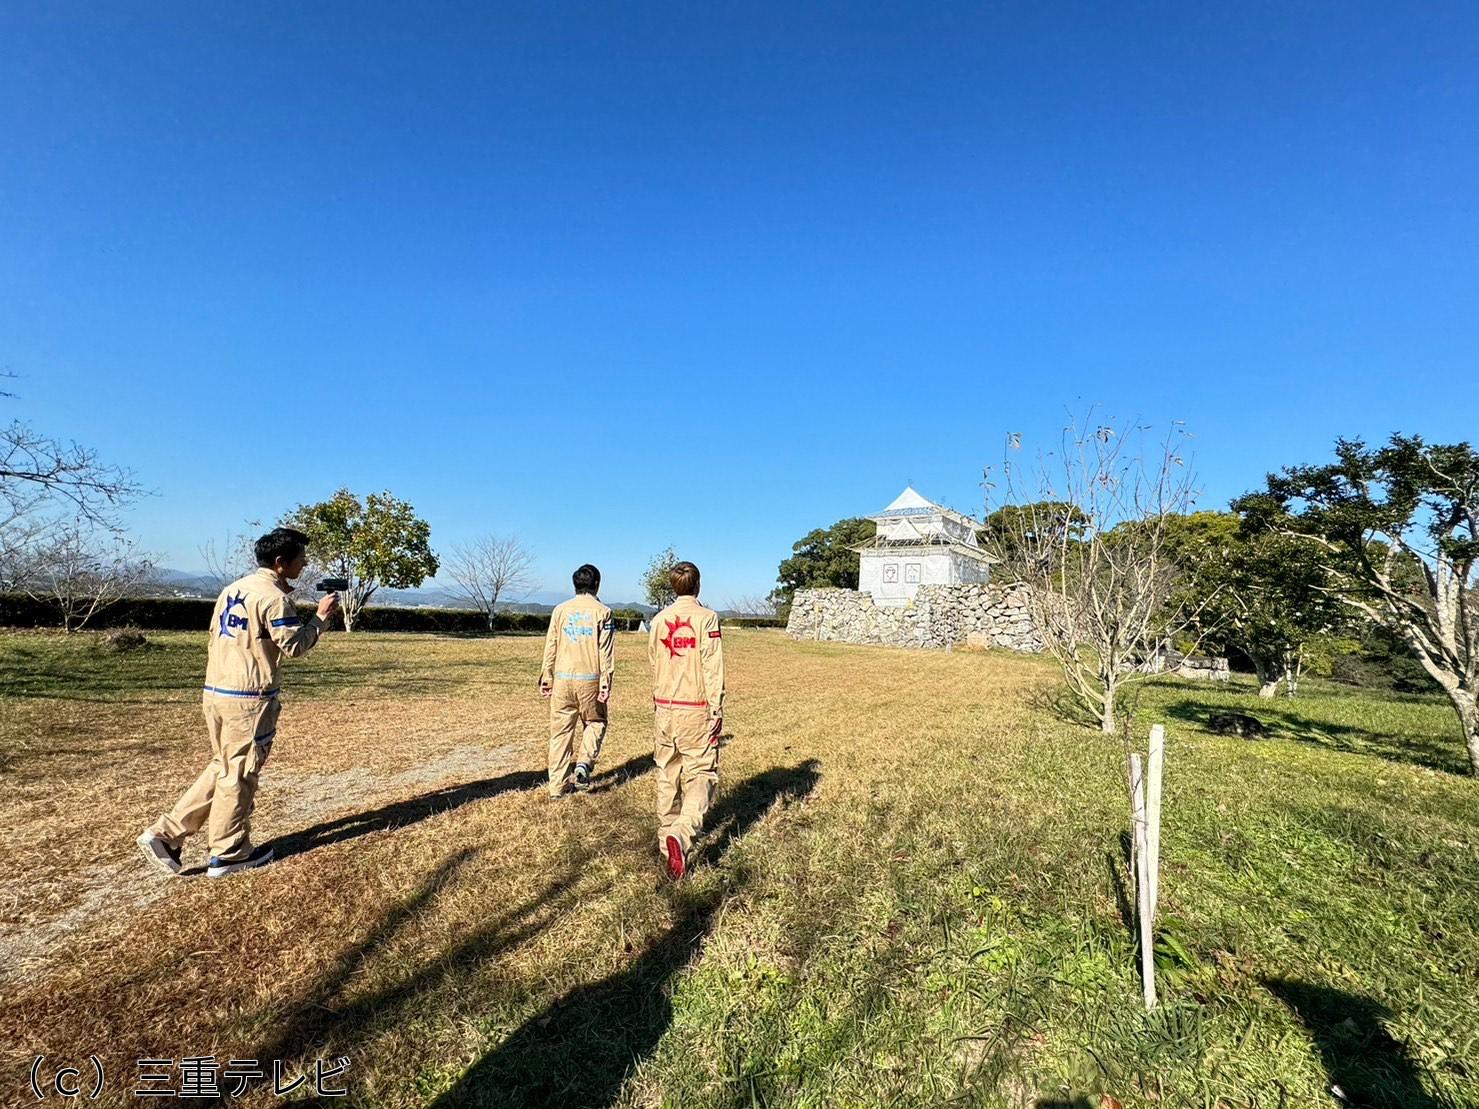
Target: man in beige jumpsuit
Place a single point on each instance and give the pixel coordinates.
(579, 662)
(687, 653)
(253, 626)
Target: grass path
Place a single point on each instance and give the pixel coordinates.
(911, 891)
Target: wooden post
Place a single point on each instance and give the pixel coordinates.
(1142, 880)
(1154, 769)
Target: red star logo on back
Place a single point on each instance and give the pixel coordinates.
(678, 644)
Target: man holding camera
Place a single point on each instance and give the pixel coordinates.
(579, 662)
(253, 627)
(686, 649)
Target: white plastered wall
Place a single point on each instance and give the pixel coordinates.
(893, 577)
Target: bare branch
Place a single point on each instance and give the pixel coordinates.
(1090, 540)
(36, 471)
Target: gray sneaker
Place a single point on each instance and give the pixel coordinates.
(581, 778)
(159, 853)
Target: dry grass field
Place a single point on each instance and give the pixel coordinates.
(910, 894)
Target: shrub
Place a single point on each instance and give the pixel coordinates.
(121, 640)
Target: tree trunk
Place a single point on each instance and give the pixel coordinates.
(1108, 684)
(1468, 715)
(1268, 677)
(1293, 671)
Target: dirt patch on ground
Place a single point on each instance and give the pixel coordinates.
(301, 798)
(111, 894)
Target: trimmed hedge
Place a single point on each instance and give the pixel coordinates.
(151, 613)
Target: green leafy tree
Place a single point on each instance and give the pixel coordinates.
(1396, 528)
(1014, 532)
(821, 558)
(1254, 591)
(655, 579)
(380, 541)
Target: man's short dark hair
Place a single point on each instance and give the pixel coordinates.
(279, 543)
(587, 579)
(683, 577)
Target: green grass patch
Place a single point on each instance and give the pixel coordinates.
(912, 893)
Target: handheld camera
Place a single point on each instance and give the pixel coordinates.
(333, 585)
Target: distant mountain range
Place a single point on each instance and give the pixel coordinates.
(184, 583)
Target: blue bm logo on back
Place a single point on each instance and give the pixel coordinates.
(227, 620)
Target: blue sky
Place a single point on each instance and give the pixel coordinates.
(618, 276)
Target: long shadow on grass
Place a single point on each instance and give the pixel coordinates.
(1060, 704)
(742, 805)
(1119, 867)
(579, 1050)
(316, 1018)
(1360, 1055)
(398, 814)
(620, 775)
(1291, 725)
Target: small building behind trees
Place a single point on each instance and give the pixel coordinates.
(920, 543)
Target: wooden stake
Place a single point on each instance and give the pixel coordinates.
(1142, 880)
(1154, 769)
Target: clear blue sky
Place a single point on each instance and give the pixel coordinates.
(618, 276)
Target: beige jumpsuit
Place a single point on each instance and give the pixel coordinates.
(253, 626)
(687, 654)
(579, 663)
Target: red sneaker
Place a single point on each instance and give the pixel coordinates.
(676, 864)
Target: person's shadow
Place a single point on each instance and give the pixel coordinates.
(398, 814)
(320, 1017)
(579, 1050)
(1360, 1055)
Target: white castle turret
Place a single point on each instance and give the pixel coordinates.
(920, 543)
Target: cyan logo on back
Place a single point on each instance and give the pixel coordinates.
(578, 626)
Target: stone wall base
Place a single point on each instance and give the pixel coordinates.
(938, 616)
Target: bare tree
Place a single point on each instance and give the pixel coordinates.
(38, 473)
(489, 569)
(82, 569)
(22, 539)
(752, 604)
(234, 558)
(1090, 539)
(44, 481)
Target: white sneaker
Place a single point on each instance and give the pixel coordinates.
(220, 868)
